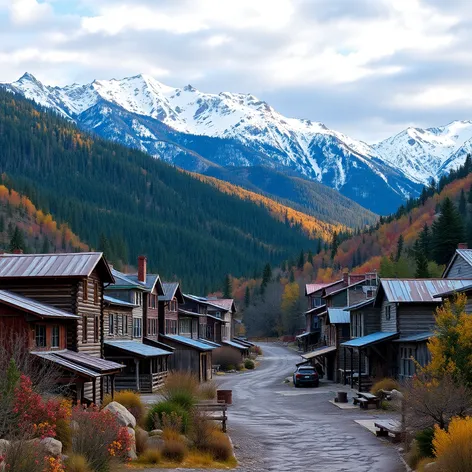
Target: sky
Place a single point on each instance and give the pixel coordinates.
(367, 68)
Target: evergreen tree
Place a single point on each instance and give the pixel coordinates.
(399, 248)
(266, 277)
(247, 297)
(447, 233)
(2, 224)
(334, 245)
(283, 266)
(469, 195)
(422, 270)
(292, 276)
(425, 241)
(227, 287)
(45, 249)
(462, 204)
(319, 248)
(310, 257)
(301, 260)
(17, 241)
(105, 247)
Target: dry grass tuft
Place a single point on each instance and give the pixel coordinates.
(207, 390)
(220, 447)
(131, 401)
(77, 463)
(150, 456)
(384, 384)
(174, 450)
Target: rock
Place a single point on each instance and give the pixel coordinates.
(155, 442)
(132, 451)
(155, 432)
(124, 417)
(51, 446)
(4, 445)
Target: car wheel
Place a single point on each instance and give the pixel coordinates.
(316, 385)
(295, 384)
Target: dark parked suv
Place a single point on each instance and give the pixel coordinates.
(306, 375)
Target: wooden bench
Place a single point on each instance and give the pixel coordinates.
(214, 411)
(366, 399)
(387, 427)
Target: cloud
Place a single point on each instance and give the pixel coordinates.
(366, 68)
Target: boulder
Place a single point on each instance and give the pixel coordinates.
(132, 451)
(124, 417)
(51, 446)
(4, 444)
(155, 442)
(155, 432)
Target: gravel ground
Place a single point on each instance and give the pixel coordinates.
(275, 427)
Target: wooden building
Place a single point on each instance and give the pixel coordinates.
(132, 328)
(73, 283)
(169, 303)
(460, 266)
(404, 309)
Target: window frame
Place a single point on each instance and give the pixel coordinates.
(53, 336)
(43, 336)
(388, 312)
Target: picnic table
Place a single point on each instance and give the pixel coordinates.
(390, 427)
(365, 399)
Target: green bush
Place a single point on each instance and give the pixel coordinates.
(154, 418)
(424, 439)
(185, 399)
(249, 364)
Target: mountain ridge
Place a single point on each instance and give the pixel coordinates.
(252, 132)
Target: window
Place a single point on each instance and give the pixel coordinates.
(407, 367)
(85, 329)
(153, 327)
(55, 336)
(388, 312)
(138, 298)
(95, 293)
(357, 326)
(85, 289)
(96, 329)
(137, 327)
(40, 335)
(316, 301)
(153, 301)
(111, 325)
(125, 324)
(184, 327)
(173, 305)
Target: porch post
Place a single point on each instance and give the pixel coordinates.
(113, 386)
(94, 391)
(345, 364)
(352, 368)
(360, 367)
(136, 361)
(79, 386)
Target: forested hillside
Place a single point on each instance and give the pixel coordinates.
(124, 201)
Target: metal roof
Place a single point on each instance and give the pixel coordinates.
(151, 281)
(338, 316)
(153, 342)
(91, 362)
(208, 302)
(34, 307)
(415, 338)
(137, 348)
(244, 342)
(322, 351)
(225, 303)
(236, 345)
(68, 365)
(125, 282)
(80, 264)
(116, 301)
(299, 336)
(467, 288)
(312, 288)
(360, 304)
(190, 342)
(322, 308)
(190, 313)
(346, 287)
(216, 318)
(466, 254)
(370, 339)
(419, 290)
(207, 341)
(170, 289)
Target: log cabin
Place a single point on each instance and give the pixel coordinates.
(74, 284)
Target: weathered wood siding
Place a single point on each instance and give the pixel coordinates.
(388, 325)
(372, 317)
(338, 300)
(460, 269)
(124, 317)
(415, 318)
(90, 309)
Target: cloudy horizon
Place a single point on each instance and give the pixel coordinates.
(366, 69)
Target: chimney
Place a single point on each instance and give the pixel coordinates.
(142, 263)
(17, 251)
(346, 278)
(462, 246)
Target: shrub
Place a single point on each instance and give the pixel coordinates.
(180, 385)
(249, 364)
(220, 447)
(64, 433)
(452, 447)
(201, 431)
(155, 414)
(141, 440)
(239, 367)
(185, 399)
(425, 442)
(131, 401)
(256, 350)
(421, 466)
(77, 463)
(228, 367)
(24, 456)
(207, 390)
(99, 438)
(413, 456)
(174, 450)
(150, 456)
(384, 384)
